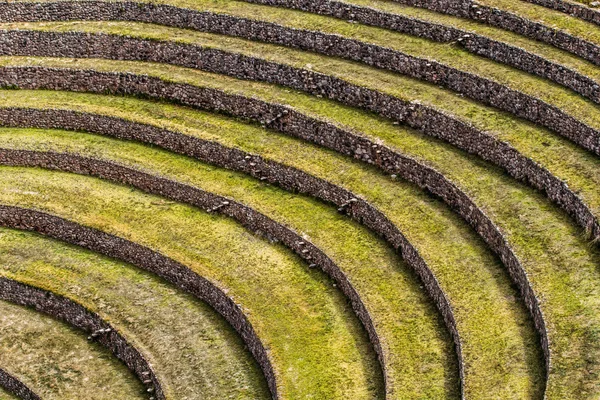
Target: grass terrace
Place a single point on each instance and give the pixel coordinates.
(400, 201)
(57, 361)
(575, 166)
(317, 346)
(192, 349)
(297, 322)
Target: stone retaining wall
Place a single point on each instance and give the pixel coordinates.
(291, 122)
(424, 118)
(74, 314)
(246, 216)
(143, 257)
(475, 43)
(73, 44)
(576, 10)
(16, 387)
(511, 22)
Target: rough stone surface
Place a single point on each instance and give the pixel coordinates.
(142, 257)
(78, 316)
(73, 44)
(573, 9)
(16, 387)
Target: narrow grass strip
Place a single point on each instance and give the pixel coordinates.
(77, 316)
(572, 8)
(14, 386)
(57, 362)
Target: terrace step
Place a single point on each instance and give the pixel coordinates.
(193, 350)
(67, 365)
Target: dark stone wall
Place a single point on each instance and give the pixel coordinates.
(511, 22)
(246, 216)
(16, 387)
(484, 90)
(291, 122)
(576, 10)
(74, 314)
(477, 44)
(424, 118)
(142, 257)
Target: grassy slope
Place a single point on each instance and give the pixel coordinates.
(576, 166)
(558, 250)
(545, 50)
(413, 336)
(448, 54)
(460, 266)
(316, 345)
(193, 350)
(4, 395)
(57, 362)
(549, 17)
(576, 244)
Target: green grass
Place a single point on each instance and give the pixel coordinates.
(4, 395)
(575, 166)
(466, 270)
(500, 349)
(561, 265)
(58, 362)
(194, 352)
(414, 339)
(549, 17)
(316, 344)
(448, 54)
(545, 50)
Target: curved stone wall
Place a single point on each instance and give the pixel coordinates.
(16, 387)
(511, 22)
(475, 43)
(576, 10)
(281, 118)
(286, 177)
(246, 216)
(35, 43)
(428, 120)
(145, 258)
(74, 314)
